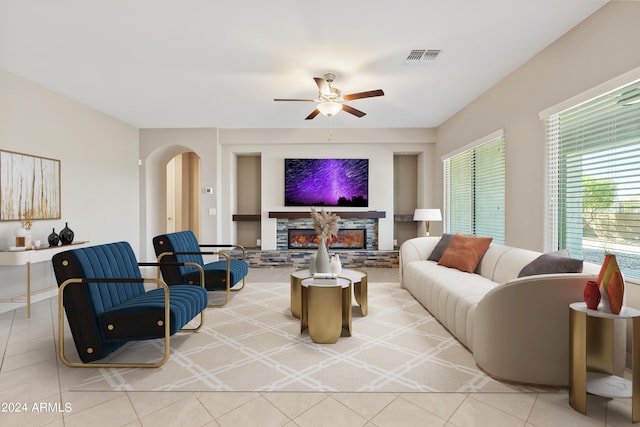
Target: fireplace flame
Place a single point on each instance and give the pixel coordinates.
(304, 238)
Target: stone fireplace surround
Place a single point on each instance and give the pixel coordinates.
(370, 256)
(367, 220)
(284, 225)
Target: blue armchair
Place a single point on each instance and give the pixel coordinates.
(102, 292)
(183, 247)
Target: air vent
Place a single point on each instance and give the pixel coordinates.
(430, 55)
(415, 55)
(421, 56)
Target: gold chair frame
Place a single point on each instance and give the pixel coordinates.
(227, 257)
(167, 335)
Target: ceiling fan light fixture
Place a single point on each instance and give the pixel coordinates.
(329, 108)
(330, 99)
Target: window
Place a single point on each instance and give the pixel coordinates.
(593, 178)
(474, 186)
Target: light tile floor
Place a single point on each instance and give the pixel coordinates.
(34, 391)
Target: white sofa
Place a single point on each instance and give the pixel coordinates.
(516, 328)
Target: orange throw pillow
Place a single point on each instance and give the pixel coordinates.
(465, 252)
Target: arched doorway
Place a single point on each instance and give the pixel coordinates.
(157, 148)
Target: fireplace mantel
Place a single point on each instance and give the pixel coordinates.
(341, 214)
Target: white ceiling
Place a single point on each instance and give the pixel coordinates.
(207, 63)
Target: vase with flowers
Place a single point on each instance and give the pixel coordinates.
(325, 225)
(23, 234)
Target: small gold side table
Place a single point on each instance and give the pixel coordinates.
(592, 353)
(357, 277)
(326, 310)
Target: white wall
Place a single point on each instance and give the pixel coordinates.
(157, 148)
(218, 149)
(99, 170)
(597, 50)
(274, 145)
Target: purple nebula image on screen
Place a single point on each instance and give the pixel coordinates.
(326, 182)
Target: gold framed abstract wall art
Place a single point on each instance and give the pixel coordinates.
(28, 184)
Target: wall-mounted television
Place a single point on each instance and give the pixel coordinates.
(326, 182)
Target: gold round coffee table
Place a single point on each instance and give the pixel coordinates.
(357, 277)
(326, 309)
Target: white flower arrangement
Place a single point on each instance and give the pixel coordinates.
(325, 224)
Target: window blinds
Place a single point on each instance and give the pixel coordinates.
(593, 179)
(490, 187)
(474, 181)
(460, 209)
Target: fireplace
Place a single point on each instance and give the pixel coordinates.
(367, 228)
(348, 238)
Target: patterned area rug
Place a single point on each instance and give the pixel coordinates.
(255, 344)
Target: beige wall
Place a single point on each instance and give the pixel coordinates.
(597, 50)
(274, 145)
(99, 169)
(405, 197)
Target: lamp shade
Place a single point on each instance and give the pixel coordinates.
(329, 108)
(427, 215)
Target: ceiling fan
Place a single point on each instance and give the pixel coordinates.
(331, 101)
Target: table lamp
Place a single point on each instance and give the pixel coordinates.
(427, 215)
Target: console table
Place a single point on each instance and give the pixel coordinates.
(26, 258)
(591, 364)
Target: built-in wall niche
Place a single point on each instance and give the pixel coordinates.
(405, 192)
(247, 217)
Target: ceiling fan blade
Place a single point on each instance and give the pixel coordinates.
(353, 111)
(368, 94)
(323, 85)
(293, 99)
(313, 114)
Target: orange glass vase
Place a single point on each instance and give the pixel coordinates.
(616, 292)
(611, 284)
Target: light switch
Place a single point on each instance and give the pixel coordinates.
(212, 211)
